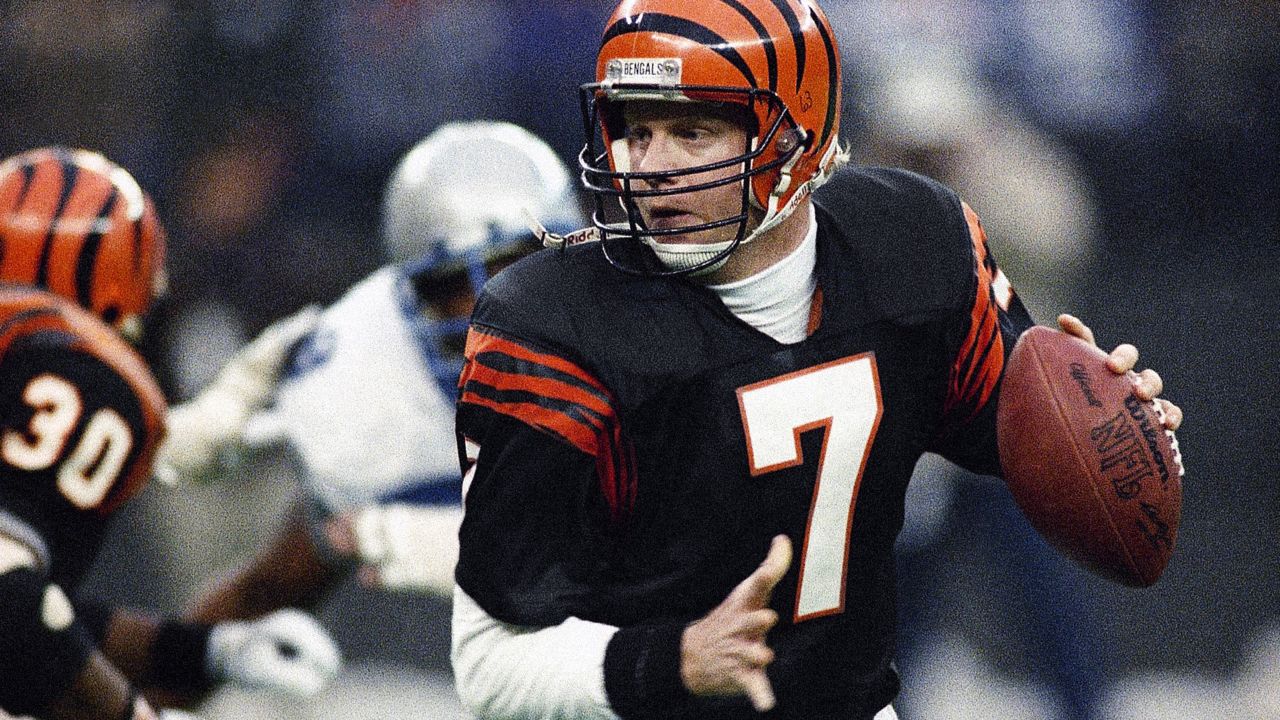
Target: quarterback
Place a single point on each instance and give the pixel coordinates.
(686, 442)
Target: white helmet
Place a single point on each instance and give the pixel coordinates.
(456, 199)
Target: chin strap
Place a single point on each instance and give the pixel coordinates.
(554, 240)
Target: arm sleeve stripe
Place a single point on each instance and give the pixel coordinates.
(980, 360)
(479, 340)
(505, 372)
(555, 396)
(616, 470)
(572, 430)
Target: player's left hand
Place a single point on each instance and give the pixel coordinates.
(287, 650)
(725, 653)
(1147, 384)
(202, 429)
(401, 546)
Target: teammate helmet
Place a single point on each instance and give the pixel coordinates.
(777, 59)
(458, 198)
(80, 226)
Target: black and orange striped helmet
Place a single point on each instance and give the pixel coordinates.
(776, 58)
(80, 226)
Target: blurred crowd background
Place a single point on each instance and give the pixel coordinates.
(1123, 154)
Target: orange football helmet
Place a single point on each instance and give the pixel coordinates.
(776, 58)
(80, 226)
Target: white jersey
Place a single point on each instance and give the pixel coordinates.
(360, 405)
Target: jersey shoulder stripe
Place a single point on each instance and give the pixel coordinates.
(514, 379)
(552, 395)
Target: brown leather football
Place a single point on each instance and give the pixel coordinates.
(1090, 464)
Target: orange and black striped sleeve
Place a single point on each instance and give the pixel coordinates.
(976, 368)
(991, 324)
(554, 396)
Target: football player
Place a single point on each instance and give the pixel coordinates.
(749, 359)
(366, 401)
(80, 418)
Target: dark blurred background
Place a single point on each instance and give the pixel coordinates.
(1123, 155)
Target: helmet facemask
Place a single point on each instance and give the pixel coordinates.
(770, 148)
(776, 59)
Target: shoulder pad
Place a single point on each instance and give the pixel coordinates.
(531, 298)
(33, 321)
(909, 240)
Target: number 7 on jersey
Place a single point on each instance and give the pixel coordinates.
(843, 398)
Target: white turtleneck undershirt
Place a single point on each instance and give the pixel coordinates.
(776, 301)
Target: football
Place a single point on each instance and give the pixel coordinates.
(1090, 465)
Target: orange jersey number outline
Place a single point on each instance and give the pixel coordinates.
(843, 398)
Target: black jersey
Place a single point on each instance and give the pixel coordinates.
(639, 445)
(80, 419)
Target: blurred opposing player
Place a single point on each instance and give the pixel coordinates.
(80, 419)
(366, 401)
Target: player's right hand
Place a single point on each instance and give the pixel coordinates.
(725, 653)
(1147, 384)
(201, 430)
(287, 651)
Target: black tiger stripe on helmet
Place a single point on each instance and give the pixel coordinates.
(76, 224)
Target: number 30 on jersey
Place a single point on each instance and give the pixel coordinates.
(90, 469)
(843, 398)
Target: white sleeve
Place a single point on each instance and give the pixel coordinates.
(413, 547)
(514, 672)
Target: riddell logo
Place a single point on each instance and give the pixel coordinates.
(1081, 375)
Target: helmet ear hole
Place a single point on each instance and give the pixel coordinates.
(791, 138)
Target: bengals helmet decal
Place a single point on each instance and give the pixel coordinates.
(76, 224)
(778, 59)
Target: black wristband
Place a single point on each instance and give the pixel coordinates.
(178, 657)
(642, 672)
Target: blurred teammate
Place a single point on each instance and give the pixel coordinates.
(366, 401)
(749, 358)
(81, 258)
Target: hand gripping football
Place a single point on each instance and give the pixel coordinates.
(1090, 464)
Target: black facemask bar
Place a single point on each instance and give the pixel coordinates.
(623, 243)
